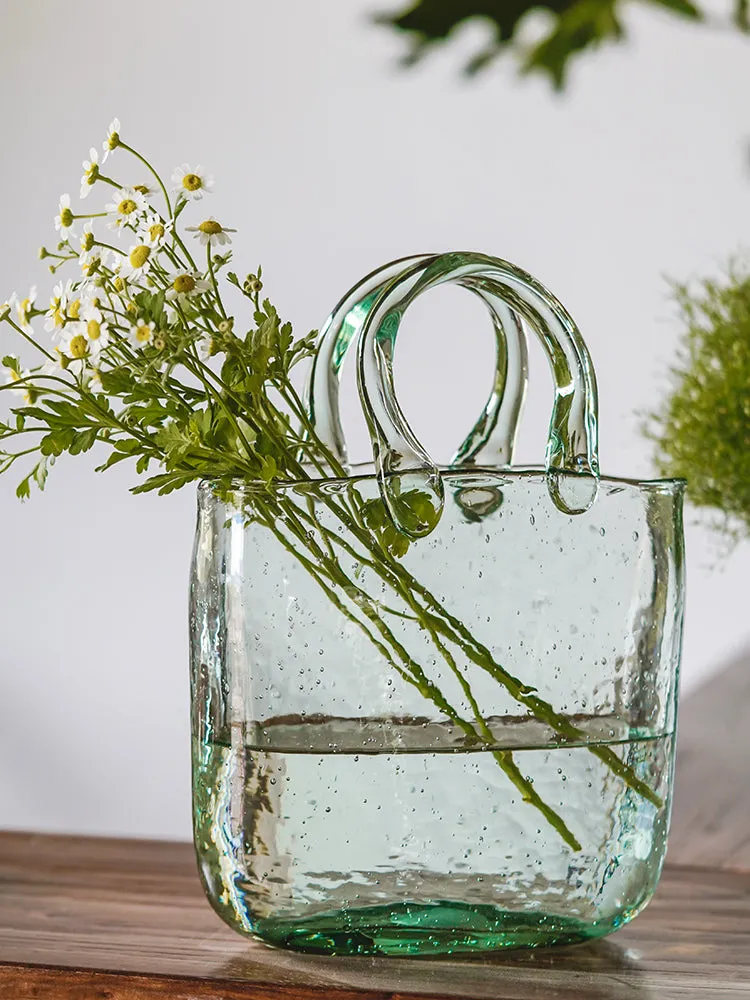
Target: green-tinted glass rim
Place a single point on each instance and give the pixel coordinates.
(674, 486)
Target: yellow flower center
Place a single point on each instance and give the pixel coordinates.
(114, 140)
(142, 189)
(74, 309)
(93, 329)
(139, 256)
(127, 206)
(184, 284)
(192, 182)
(210, 227)
(92, 173)
(156, 231)
(66, 218)
(78, 346)
(25, 307)
(143, 334)
(119, 284)
(87, 242)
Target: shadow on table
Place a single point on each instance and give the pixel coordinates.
(597, 970)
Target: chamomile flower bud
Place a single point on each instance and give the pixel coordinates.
(42, 253)
(253, 284)
(225, 326)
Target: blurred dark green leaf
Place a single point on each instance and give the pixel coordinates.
(576, 26)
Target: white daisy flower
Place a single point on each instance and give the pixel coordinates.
(87, 238)
(25, 390)
(137, 263)
(96, 329)
(191, 184)
(90, 255)
(24, 307)
(127, 209)
(58, 304)
(211, 232)
(75, 347)
(185, 284)
(64, 219)
(112, 141)
(90, 172)
(154, 230)
(73, 308)
(142, 334)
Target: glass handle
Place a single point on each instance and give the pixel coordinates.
(492, 438)
(409, 480)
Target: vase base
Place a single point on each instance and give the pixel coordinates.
(439, 928)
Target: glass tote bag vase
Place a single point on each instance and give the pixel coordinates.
(434, 708)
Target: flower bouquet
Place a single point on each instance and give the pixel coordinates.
(415, 592)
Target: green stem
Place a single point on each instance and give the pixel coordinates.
(209, 258)
(159, 181)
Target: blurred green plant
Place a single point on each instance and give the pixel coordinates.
(575, 26)
(702, 431)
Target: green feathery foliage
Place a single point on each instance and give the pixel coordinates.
(702, 431)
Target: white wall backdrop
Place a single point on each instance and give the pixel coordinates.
(330, 161)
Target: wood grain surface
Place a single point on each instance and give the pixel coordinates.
(135, 911)
(95, 919)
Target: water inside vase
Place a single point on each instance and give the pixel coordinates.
(391, 836)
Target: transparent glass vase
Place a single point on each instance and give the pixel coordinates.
(434, 708)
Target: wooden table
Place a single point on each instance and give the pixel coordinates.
(86, 919)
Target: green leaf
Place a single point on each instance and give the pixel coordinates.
(165, 483)
(83, 441)
(113, 459)
(682, 7)
(577, 25)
